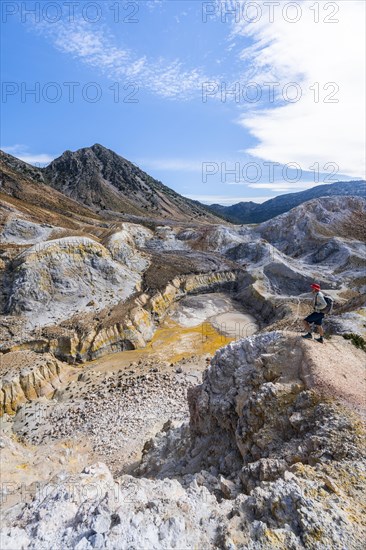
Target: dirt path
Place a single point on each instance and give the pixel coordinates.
(338, 369)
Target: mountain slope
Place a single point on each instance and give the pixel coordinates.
(102, 180)
(250, 212)
(23, 189)
(236, 212)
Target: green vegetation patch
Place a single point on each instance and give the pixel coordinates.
(356, 340)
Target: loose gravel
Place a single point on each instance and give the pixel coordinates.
(115, 412)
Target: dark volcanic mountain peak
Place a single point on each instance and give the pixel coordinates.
(103, 180)
(97, 148)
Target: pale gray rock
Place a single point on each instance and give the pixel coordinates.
(92, 511)
(124, 246)
(165, 238)
(265, 462)
(22, 231)
(314, 224)
(55, 279)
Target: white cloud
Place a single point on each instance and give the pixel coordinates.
(225, 200)
(285, 186)
(14, 149)
(21, 152)
(282, 186)
(306, 52)
(37, 159)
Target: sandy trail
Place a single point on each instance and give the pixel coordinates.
(338, 369)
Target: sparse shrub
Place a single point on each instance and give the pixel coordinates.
(356, 340)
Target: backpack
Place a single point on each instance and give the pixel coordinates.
(329, 307)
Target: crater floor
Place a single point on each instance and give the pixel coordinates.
(107, 410)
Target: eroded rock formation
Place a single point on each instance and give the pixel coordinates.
(26, 375)
(272, 458)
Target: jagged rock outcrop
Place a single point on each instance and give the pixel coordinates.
(26, 375)
(259, 393)
(272, 429)
(272, 458)
(259, 398)
(104, 514)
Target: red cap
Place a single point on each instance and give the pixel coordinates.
(315, 286)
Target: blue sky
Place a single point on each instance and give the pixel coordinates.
(148, 78)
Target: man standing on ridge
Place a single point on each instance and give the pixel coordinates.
(317, 316)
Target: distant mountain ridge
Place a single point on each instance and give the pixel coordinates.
(98, 180)
(251, 212)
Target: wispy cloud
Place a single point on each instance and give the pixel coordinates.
(96, 47)
(284, 186)
(183, 165)
(13, 149)
(305, 52)
(154, 4)
(22, 152)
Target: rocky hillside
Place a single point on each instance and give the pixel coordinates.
(104, 182)
(25, 195)
(250, 212)
(99, 178)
